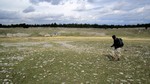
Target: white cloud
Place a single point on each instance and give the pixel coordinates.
(76, 11)
(29, 9)
(16, 5)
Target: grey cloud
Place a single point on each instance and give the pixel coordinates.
(49, 19)
(91, 1)
(45, 17)
(35, 1)
(120, 4)
(103, 12)
(9, 14)
(123, 12)
(9, 17)
(133, 4)
(29, 9)
(54, 2)
(100, 1)
(127, 18)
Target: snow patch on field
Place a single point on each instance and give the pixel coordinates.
(95, 33)
(66, 44)
(19, 58)
(18, 35)
(45, 44)
(10, 59)
(78, 49)
(7, 67)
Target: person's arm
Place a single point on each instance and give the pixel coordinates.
(113, 44)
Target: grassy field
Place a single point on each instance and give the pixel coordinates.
(73, 56)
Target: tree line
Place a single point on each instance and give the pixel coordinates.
(75, 25)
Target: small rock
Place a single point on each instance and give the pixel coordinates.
(121, 73)
(82, 71)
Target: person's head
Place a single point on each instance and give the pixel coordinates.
(114, 36)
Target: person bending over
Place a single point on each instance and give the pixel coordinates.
(118, 44)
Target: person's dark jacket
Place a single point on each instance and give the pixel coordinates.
(116, 43)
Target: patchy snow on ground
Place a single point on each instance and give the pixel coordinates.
(7, 67)
(45, 44)
(86, 60)
(76, 48)
(18, 35)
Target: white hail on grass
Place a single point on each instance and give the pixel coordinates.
(82, 71)
(22, 45)
(121, 73)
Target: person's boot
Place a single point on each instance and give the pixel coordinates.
(118, 59)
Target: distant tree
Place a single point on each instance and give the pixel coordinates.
(1, 25)
(75, 25)
(24, 25)
(146, 27)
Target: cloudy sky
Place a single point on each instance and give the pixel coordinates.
(75, 11)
